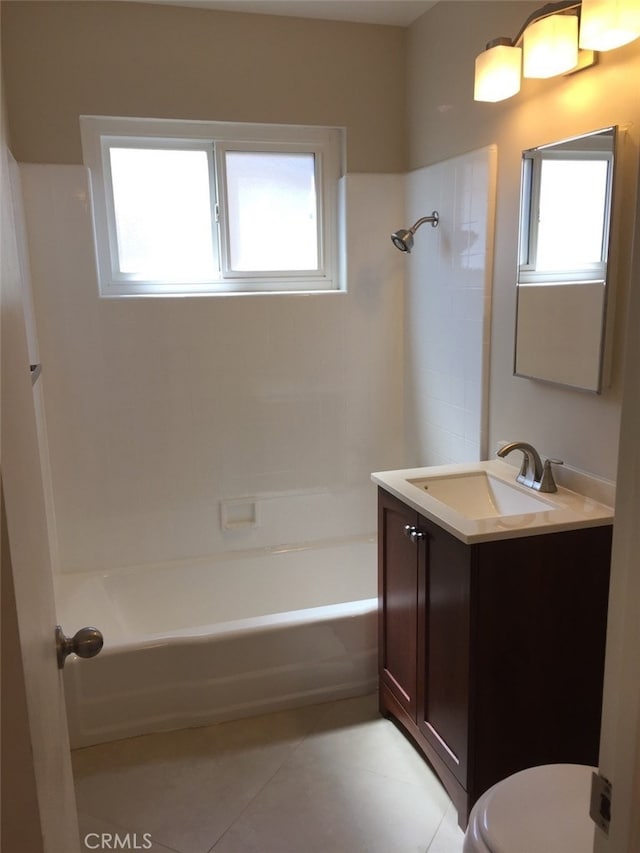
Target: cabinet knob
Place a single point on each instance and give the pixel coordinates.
(413, 533)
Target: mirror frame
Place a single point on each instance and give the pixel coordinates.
(549, 303)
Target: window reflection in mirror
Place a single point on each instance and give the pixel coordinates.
(566, 200)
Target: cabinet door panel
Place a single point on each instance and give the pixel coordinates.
(443, 717)
(540, 632)
(398, 601)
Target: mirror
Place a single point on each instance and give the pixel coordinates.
(565, 211)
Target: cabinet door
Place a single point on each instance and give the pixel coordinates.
(443, 656)
(540, 622)
(397, 602)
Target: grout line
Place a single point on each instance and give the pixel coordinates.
(258, 793)
(312, 730)
(449, 808)
(251, 801)
(437, 830)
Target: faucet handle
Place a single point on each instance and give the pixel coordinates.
(547, 483)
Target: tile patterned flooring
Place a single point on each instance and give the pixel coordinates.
(331, 778)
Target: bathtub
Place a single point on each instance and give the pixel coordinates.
(204, 641)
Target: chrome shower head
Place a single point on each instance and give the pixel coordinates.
(403, 238)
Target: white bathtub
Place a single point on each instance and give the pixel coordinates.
(195, 643)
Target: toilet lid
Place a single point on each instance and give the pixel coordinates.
(540, 809)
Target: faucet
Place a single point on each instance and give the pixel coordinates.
(533, 473)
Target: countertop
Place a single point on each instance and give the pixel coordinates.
(568, 510)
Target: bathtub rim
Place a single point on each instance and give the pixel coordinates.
(64, 575)
(238, 627)
(121, 637)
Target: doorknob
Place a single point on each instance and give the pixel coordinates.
(86, 643)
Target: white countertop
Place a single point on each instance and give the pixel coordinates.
(567, 511)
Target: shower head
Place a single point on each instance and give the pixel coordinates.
(403, 238)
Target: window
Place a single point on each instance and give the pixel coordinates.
(186, 207)
(565, 212)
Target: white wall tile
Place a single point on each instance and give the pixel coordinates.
(158, 409)
(448, 303)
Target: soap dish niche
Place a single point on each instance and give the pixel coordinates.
(239, 513)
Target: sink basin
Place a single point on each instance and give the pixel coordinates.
(479, 495)
(481, 501)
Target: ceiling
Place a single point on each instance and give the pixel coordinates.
(392, 12)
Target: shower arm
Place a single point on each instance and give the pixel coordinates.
(433, 219)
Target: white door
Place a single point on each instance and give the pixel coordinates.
(49, 818)
(620, 737)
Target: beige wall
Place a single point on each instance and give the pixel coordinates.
(444, 121)
(65, 59)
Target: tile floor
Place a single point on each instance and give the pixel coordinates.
(331, 778)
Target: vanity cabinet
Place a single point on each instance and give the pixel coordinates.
(491, 655)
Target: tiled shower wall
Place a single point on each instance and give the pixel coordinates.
(187, 427)
(166, 417)
(448, 309)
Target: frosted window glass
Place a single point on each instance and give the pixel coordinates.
(272, 211)
(571, 214)
(163, 213)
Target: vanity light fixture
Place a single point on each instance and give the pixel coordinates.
(558, 38)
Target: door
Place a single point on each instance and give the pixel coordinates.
(44, 820)
(443, 679)
(398, 600)
(620, 737)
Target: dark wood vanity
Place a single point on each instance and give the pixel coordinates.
(491, 655)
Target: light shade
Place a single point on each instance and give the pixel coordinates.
(550, 46)
(497, 73)
(606, 24)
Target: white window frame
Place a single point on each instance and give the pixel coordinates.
(222, 148)
(99, 133)
(528, 273)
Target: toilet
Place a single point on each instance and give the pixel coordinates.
(543, 808)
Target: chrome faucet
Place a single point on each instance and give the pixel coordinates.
(533, 473)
